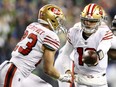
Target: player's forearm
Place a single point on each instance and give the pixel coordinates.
(103, 47)
(52, 72)
(62, 77)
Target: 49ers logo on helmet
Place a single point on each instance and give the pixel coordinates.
(89, 16)
(56, 11)
(100, 11)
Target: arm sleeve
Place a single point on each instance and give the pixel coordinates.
(105, 44)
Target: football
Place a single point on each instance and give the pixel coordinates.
(90, 57)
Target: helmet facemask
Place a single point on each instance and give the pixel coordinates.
(60, 25)
(88, 29)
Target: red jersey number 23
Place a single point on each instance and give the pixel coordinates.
(29, 45)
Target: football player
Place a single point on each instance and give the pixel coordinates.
(39, 42)
(91, 37)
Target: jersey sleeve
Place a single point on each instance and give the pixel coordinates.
(72, 32)
(105, 43)
(51, 41)
(70, 35)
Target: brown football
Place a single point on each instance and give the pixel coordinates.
(90, 57)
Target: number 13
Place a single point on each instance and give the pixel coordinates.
(80, 52)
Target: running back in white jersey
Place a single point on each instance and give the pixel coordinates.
(96, 41)
(28, 52)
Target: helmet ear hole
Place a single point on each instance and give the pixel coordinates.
(48, 8)
(52, 20)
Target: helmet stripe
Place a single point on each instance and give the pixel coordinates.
(90, 9)
(93, 9)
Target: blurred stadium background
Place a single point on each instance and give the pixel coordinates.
(15, 15)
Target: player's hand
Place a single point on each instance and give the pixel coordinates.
(65, 78)
(76, 78)
(72, 74)
(69, 72)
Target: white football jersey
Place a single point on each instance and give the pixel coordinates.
(100, 40)
(28, 52)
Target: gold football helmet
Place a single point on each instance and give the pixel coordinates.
(53, 16)
(93, 14)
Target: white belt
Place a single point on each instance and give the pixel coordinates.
(91, 79)
(95, 76)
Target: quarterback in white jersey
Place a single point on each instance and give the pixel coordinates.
(89, 34)
(39, 42)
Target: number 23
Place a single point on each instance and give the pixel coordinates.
(29, 45)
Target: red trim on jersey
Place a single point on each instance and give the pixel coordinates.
(71, 84)
(46, 39)
(52, 42)
(52, 38)
(10, 75)
(108, 35)
(107, 38)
